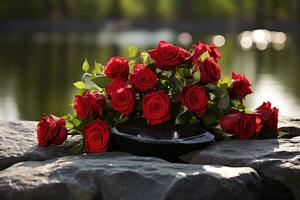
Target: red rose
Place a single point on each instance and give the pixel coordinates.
(229, 121)
(201, 48)
(96, 136)
(123, 100)
(89, 103)
(114, 86)
(209, 70)
(194, 98)
(168, 56)
(83, 105)
(214, 52)
(143, 79)
(156, 107)
(249, 126)
(99, 101)
(117, 67)
(244, 126)
(269, 117)
(51, 130)
(240, 86)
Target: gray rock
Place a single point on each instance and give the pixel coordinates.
(274, 159)
(122, 176)
(18, 143)
(289, 125)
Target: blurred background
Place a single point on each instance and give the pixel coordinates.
(43, 44)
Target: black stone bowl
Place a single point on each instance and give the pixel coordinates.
(163, 141)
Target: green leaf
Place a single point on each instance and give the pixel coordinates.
(211, 87)
(157, 70)
(203, 56)
(101, 81)
(89, 83)
(69, 125)
(132, 51)
(241, 107)
(85, 66)
(167, 73)
(79, 84)
(122, 119)
(76, 122)
(183, 110)
(97, 69)
(186, 118)
(220, 92)
(248, 111)
(65, 117)
(176, 85)
(182, 72)
(80, 91)
(224, 102)
(197, 75)
(180, 120)
(145, 58)
(131, 66)
(225, 82)
(282, 134)
(221, 135)
(238, 105)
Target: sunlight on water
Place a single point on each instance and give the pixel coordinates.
(267, 88)
(8, 105)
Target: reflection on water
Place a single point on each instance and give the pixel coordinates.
(262, 38)
(37, 70)
(270, 88)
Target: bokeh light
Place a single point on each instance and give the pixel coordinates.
(185, 38)
(262, 39)
(218, 40)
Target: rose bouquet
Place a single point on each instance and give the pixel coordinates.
(168, 84)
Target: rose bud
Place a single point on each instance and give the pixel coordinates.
(51, 130)
(214, 52)
(209, 70)
(99, 102)
(168, 56)
(156, 107)
(240, 86)
(202, 48)
(117, 67)
(123, 100)
(244, 126)
(114, 86)
(96, 136)
(249, 126)
(83, 105)
(194, 98)
(269, 117)
(229, 121)
(143, 79)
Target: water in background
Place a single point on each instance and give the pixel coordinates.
(37, 69)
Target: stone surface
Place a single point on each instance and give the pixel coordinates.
(256, 169)
(18, 143)
(123, 176)
(275, 159)
(289, 125)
